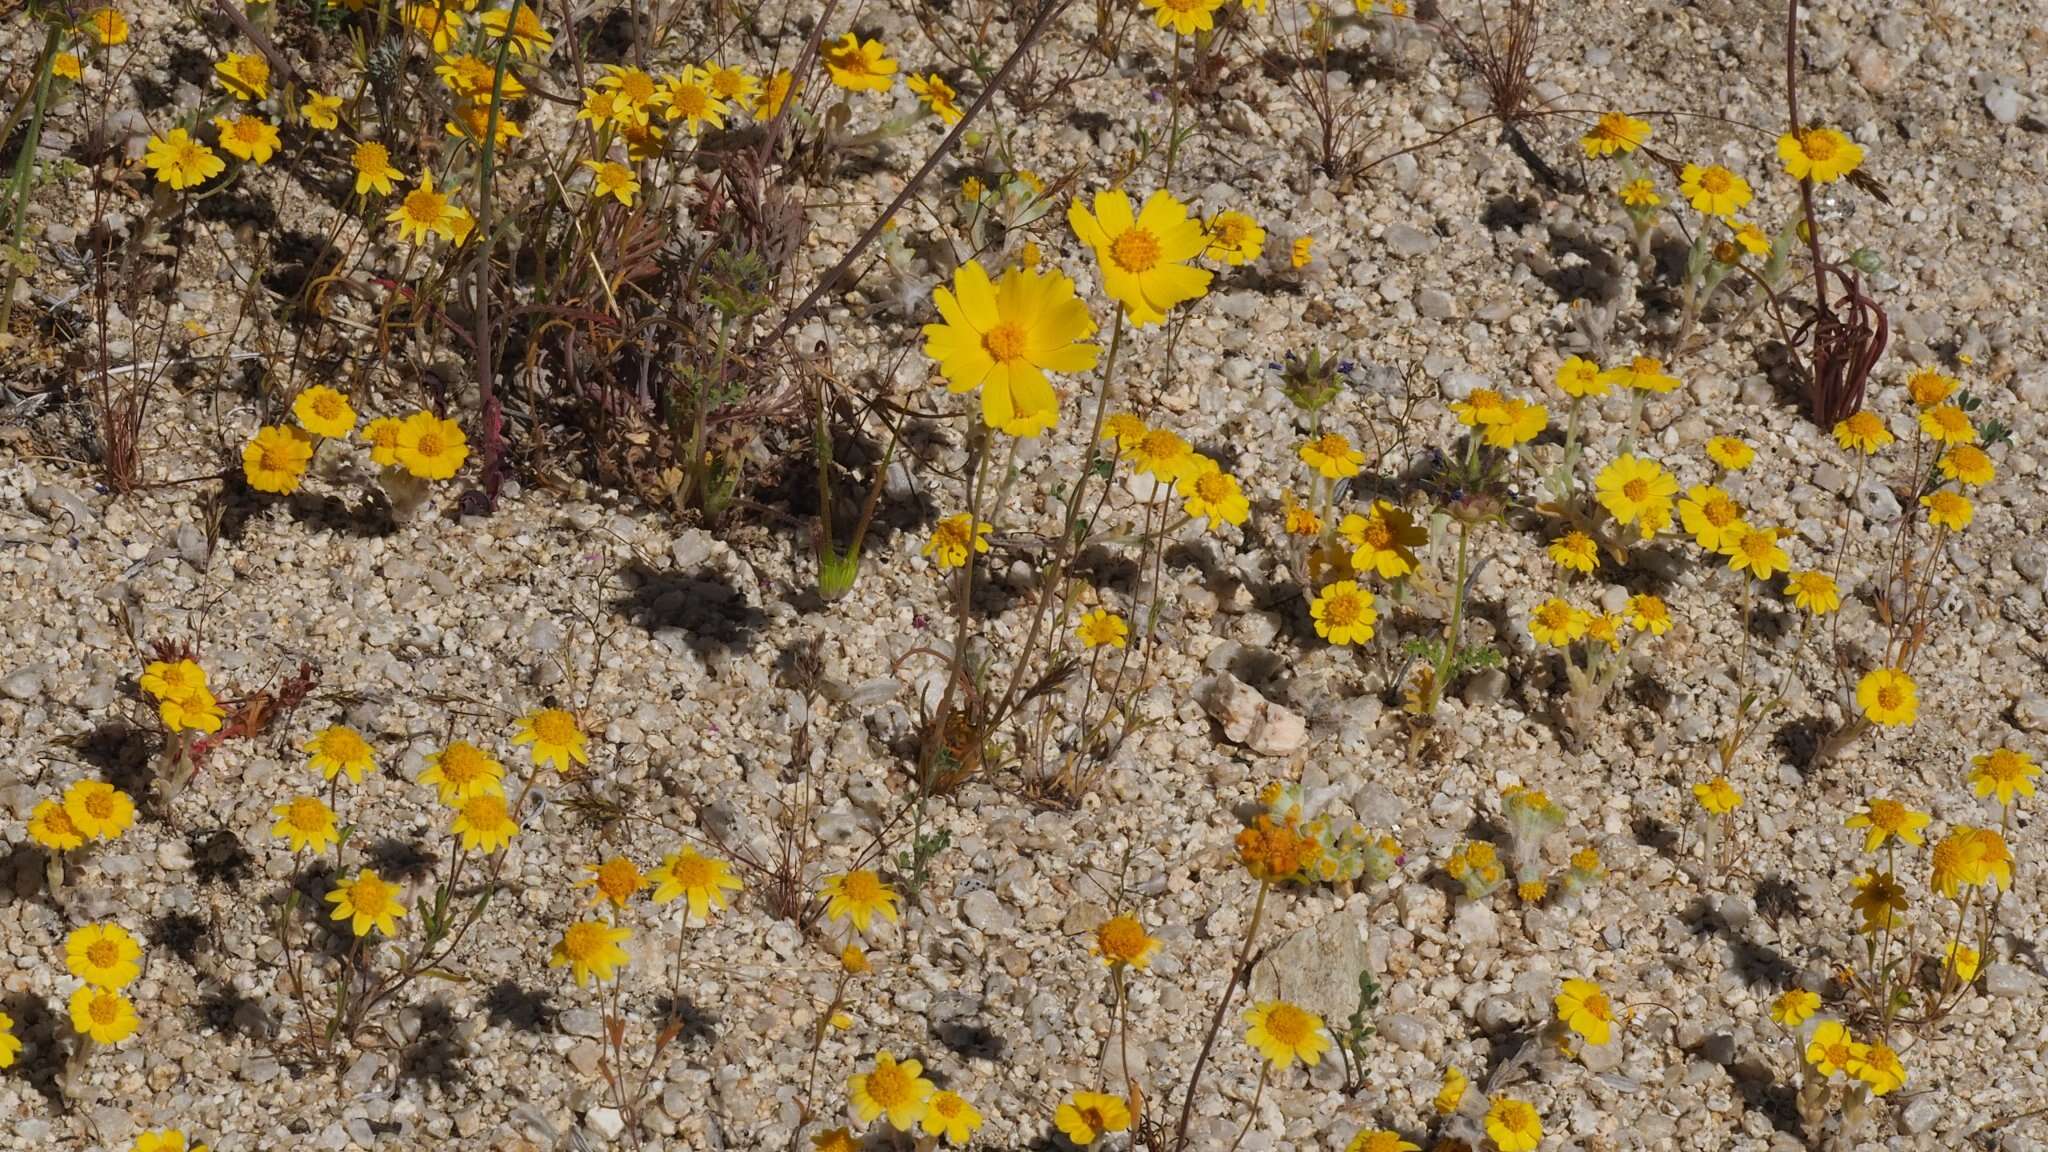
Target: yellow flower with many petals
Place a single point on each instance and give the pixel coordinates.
(1086, 1117)
(250, 138)
(612, 179)
(1578, 377)
(305, 822)
(955, 539)
(484, 823)
(245, 76)
(897, 1090)
(368, 903)
(51, 827)
(1380, 1140)
(374, 170)
(859, 65)
(1284, 1033)
(381, 435)
(340, 749)
(1813, 591)
(1122, 941)
(106, 1016)
(423, 212)
(462, 771)
(1614, 132)
(1947, 424)
(430, 447)
(1967, 464)
(1950, 510)
(1332, 457)
(1931, 386)
(1102, 627)
(1881, 1070)
(1556, 623)
(522, 25)
(1234, 238)
(1794, 1006)
(1881, 900)
(1212, 494)
(1713, 190)
(1647, 613)
(1583, 1007)
(614, 882)
(949, 1116)
(591, 950)
(103, 955)
(1730, 453)
(1888, 697)
(275, 459)
(1712, 519)
(1513, 1125)
(324, 412)
(700, 880)
(1575, 551)
(1756, 552)
(1637, 491)
(859, 895)
(2005, 773)
(1344, 613)
(1832, 1050)
(934, 93)
(1452, 1092)
(1822, 155)
(1717, 796)
(1143, 255)
(1863, 431)
(1002, 338)
(1519, 423)
(1643, 373)
(108, 27)
(181, 162)
(98, 810)
(1383, 540)
(558, 740)
(687, 96)
(322, 111)
(1185, 17)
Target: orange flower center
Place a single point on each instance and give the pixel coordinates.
(861, 887)
(1135, 251)
(888, 1085)
(423, 207)
(1289, 1025)
(1212, 487)
(430, 444)
(1819, 146)
(1637, 489)
(1377, 534)
(105, 1010)
(555, 727)
(1006, 342)
(1716, 180)
(1889, 697)
(101, 805)
(689, 99)
(103, 953)
(1343, 610)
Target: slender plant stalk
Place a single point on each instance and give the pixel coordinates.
(25, 168)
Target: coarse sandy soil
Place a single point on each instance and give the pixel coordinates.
(722, 694)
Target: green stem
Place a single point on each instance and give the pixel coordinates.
(25, 166)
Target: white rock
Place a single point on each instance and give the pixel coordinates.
(1250, 719)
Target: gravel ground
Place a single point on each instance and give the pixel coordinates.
(1450, 269)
